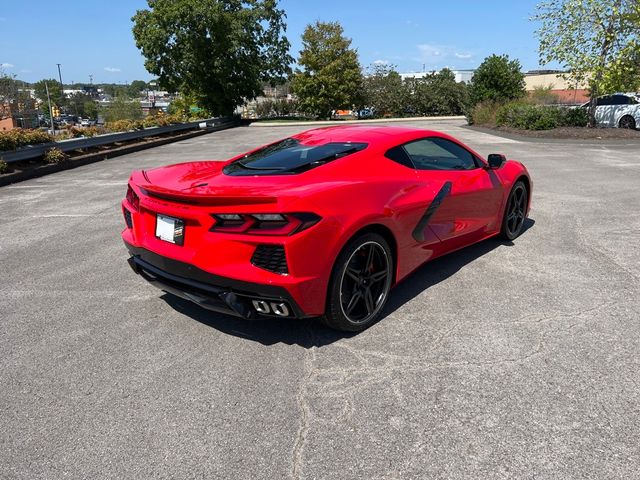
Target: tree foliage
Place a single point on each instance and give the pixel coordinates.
(220, 51)
(594, 39)
(135, 87)
(384, 91)
(331, 77)
(122, 108)
(497, 78)
(437, 94)
(55, 93)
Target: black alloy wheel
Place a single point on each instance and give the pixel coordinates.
(360, 284)
(628, 122)
(515, 212)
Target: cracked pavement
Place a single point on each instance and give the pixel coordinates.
(499, 361)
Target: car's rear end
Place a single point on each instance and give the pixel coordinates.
(244, 254)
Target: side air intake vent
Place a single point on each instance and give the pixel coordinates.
(270, 257)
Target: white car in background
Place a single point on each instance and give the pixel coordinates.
(620, 110)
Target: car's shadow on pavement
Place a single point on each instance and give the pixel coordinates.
(310, 332)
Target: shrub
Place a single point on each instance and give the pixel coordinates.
(484, 113)
(54, 156)
(543, 95)
(575, 117)
(528, 117)
(120, 126)
(4, 167)
(19, 137)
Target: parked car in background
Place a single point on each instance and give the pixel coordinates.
(621, 110)
(87, 122)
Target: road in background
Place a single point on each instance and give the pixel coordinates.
(500, 361)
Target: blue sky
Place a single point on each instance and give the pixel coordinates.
(94, 37)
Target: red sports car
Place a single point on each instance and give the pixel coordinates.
(321, 224)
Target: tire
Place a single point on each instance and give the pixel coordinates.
(515, 211)
(627, 122)
(360, 283)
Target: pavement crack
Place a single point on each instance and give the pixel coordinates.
(303, 405)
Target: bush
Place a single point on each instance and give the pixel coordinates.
(484, 113)
(528, 117)
(54, 156)
(19, 137)
(575, 117)
(4, 167)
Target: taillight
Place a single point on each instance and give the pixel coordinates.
(132, 198)
(264, 223)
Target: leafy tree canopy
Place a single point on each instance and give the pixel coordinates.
(438, 94)
(220, 51)
(596, 40)
(497, 78)
(55, 93)
(330, 77)
(384, 90)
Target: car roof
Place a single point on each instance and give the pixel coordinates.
(378, 136)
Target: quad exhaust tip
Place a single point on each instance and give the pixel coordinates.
(277, 308)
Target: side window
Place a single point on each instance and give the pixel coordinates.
(439, 154)
(398, 155)
(620, 100)
(604, 101)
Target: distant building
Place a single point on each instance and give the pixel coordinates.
(566, 91)
(460, 75)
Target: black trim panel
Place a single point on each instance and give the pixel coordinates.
(418, 232)
(210, 291)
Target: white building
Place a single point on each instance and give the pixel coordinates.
(461, 75)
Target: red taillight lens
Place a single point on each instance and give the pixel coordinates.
(132, 198)
(264, 223)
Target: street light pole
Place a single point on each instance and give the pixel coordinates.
(53, 128)
(61, 85)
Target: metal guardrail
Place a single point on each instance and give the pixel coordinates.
(34, 151)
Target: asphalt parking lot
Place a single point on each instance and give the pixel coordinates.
(500, 361)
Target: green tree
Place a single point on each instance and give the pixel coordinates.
(55, 93)
(590, 38)
(82, 105)
(220, 51)
(624, 74)
(438, 94)
(122, 108)
(135, 87)
(331, 77)
(498, 79)
(384, 91)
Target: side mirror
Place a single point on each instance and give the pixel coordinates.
(496, 160)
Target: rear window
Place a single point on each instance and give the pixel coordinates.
(289, 156)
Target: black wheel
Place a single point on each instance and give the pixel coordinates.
(627, 122)
(360, 284)
(515, 212)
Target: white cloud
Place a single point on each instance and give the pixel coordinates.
(112, 69)
(381, 62)
(7, 65)
(431, 53)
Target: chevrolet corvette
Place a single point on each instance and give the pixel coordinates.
(321, 224)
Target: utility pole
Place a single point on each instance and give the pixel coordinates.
(61, 85)
(53, 128)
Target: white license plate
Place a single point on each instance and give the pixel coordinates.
(170, 229)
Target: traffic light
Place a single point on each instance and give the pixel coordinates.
(56, 111)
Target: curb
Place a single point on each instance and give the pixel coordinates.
(41, 170)
(351, 122)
